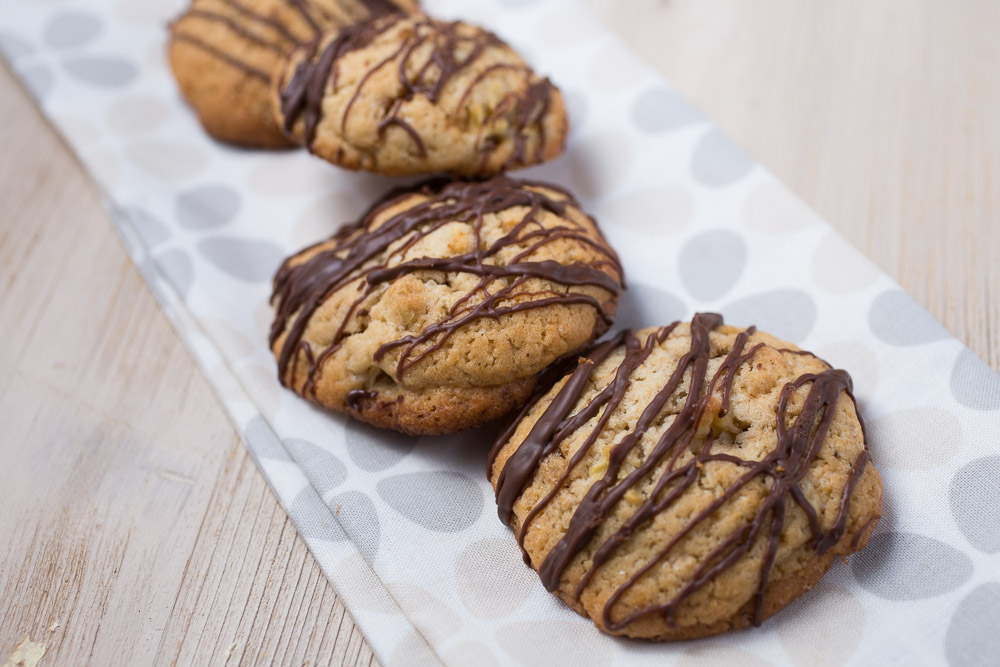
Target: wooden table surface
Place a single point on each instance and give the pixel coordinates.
(138, 529)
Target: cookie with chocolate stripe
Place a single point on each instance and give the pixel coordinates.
(407, 94)
(687, 480)
(439, 309)
(224, 54)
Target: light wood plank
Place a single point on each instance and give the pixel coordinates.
(136, 526)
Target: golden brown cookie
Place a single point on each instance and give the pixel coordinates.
(224, 53)
(411, 95)
(688, 480)
(439, 308)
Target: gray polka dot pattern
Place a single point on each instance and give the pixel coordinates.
(661, 109)
(644, 306)
(975, 503)
(244, 259)
(101, 71)
(262, 442)
(324, 470)
(908, 566)
(718, 162)
(898, 320)
(973, 383)
(176, 266)
(711, 263)
(972, 639)
(150, 230)
(72, 29)
(496, 591)
(545, 643)
(375, 450)
(313, 518)
(788, 314)
(207, 207)
(444, 501)
(356, 513)
(38, 79)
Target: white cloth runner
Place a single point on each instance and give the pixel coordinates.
(407, 531)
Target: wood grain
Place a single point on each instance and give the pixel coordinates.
(138, 529)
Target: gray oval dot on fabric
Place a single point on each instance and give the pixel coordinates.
(822, 629)
(357, 516)
(658, 211)
(176, 267)
(437, 621)
(661, 109)
(323, 470)
(103, 71)
(771, 208)
(413, 649)
(13, 47)
(137, 114)
(716, 655)
(469, 653)
(897, 319)
(907, 566)
(711, 263)
(786, 313)
(38, 80)
(975, 503)
(151, 231)
(599, 162)
(442, 501)
(839, 267)
(491, 578)
(262, 441)
(856, 358)
(974, 384)
(250, 260)
(543, 643)
(72, 29)
(172, 161)
(376, 450)
(972, 639)
(718, 161)
(207, 207)
(921, 438)
(313, 518)
(644, 305)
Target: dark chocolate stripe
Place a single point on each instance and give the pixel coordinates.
(369, 253)
(783, 468)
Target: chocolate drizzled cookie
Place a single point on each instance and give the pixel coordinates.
(224, 53)
(687, 480)
(439, 308)
(410, 94)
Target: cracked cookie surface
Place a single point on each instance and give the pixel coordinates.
(688, 480)
(439, 308)
(410, 94)
(224, 54)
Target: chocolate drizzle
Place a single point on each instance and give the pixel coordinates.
(430, 54)
(782, 469)
(270, 31)
(371, 253)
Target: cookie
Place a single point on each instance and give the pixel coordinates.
(688, 480)
(224, 54)
(438, 309)
(410, 95)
